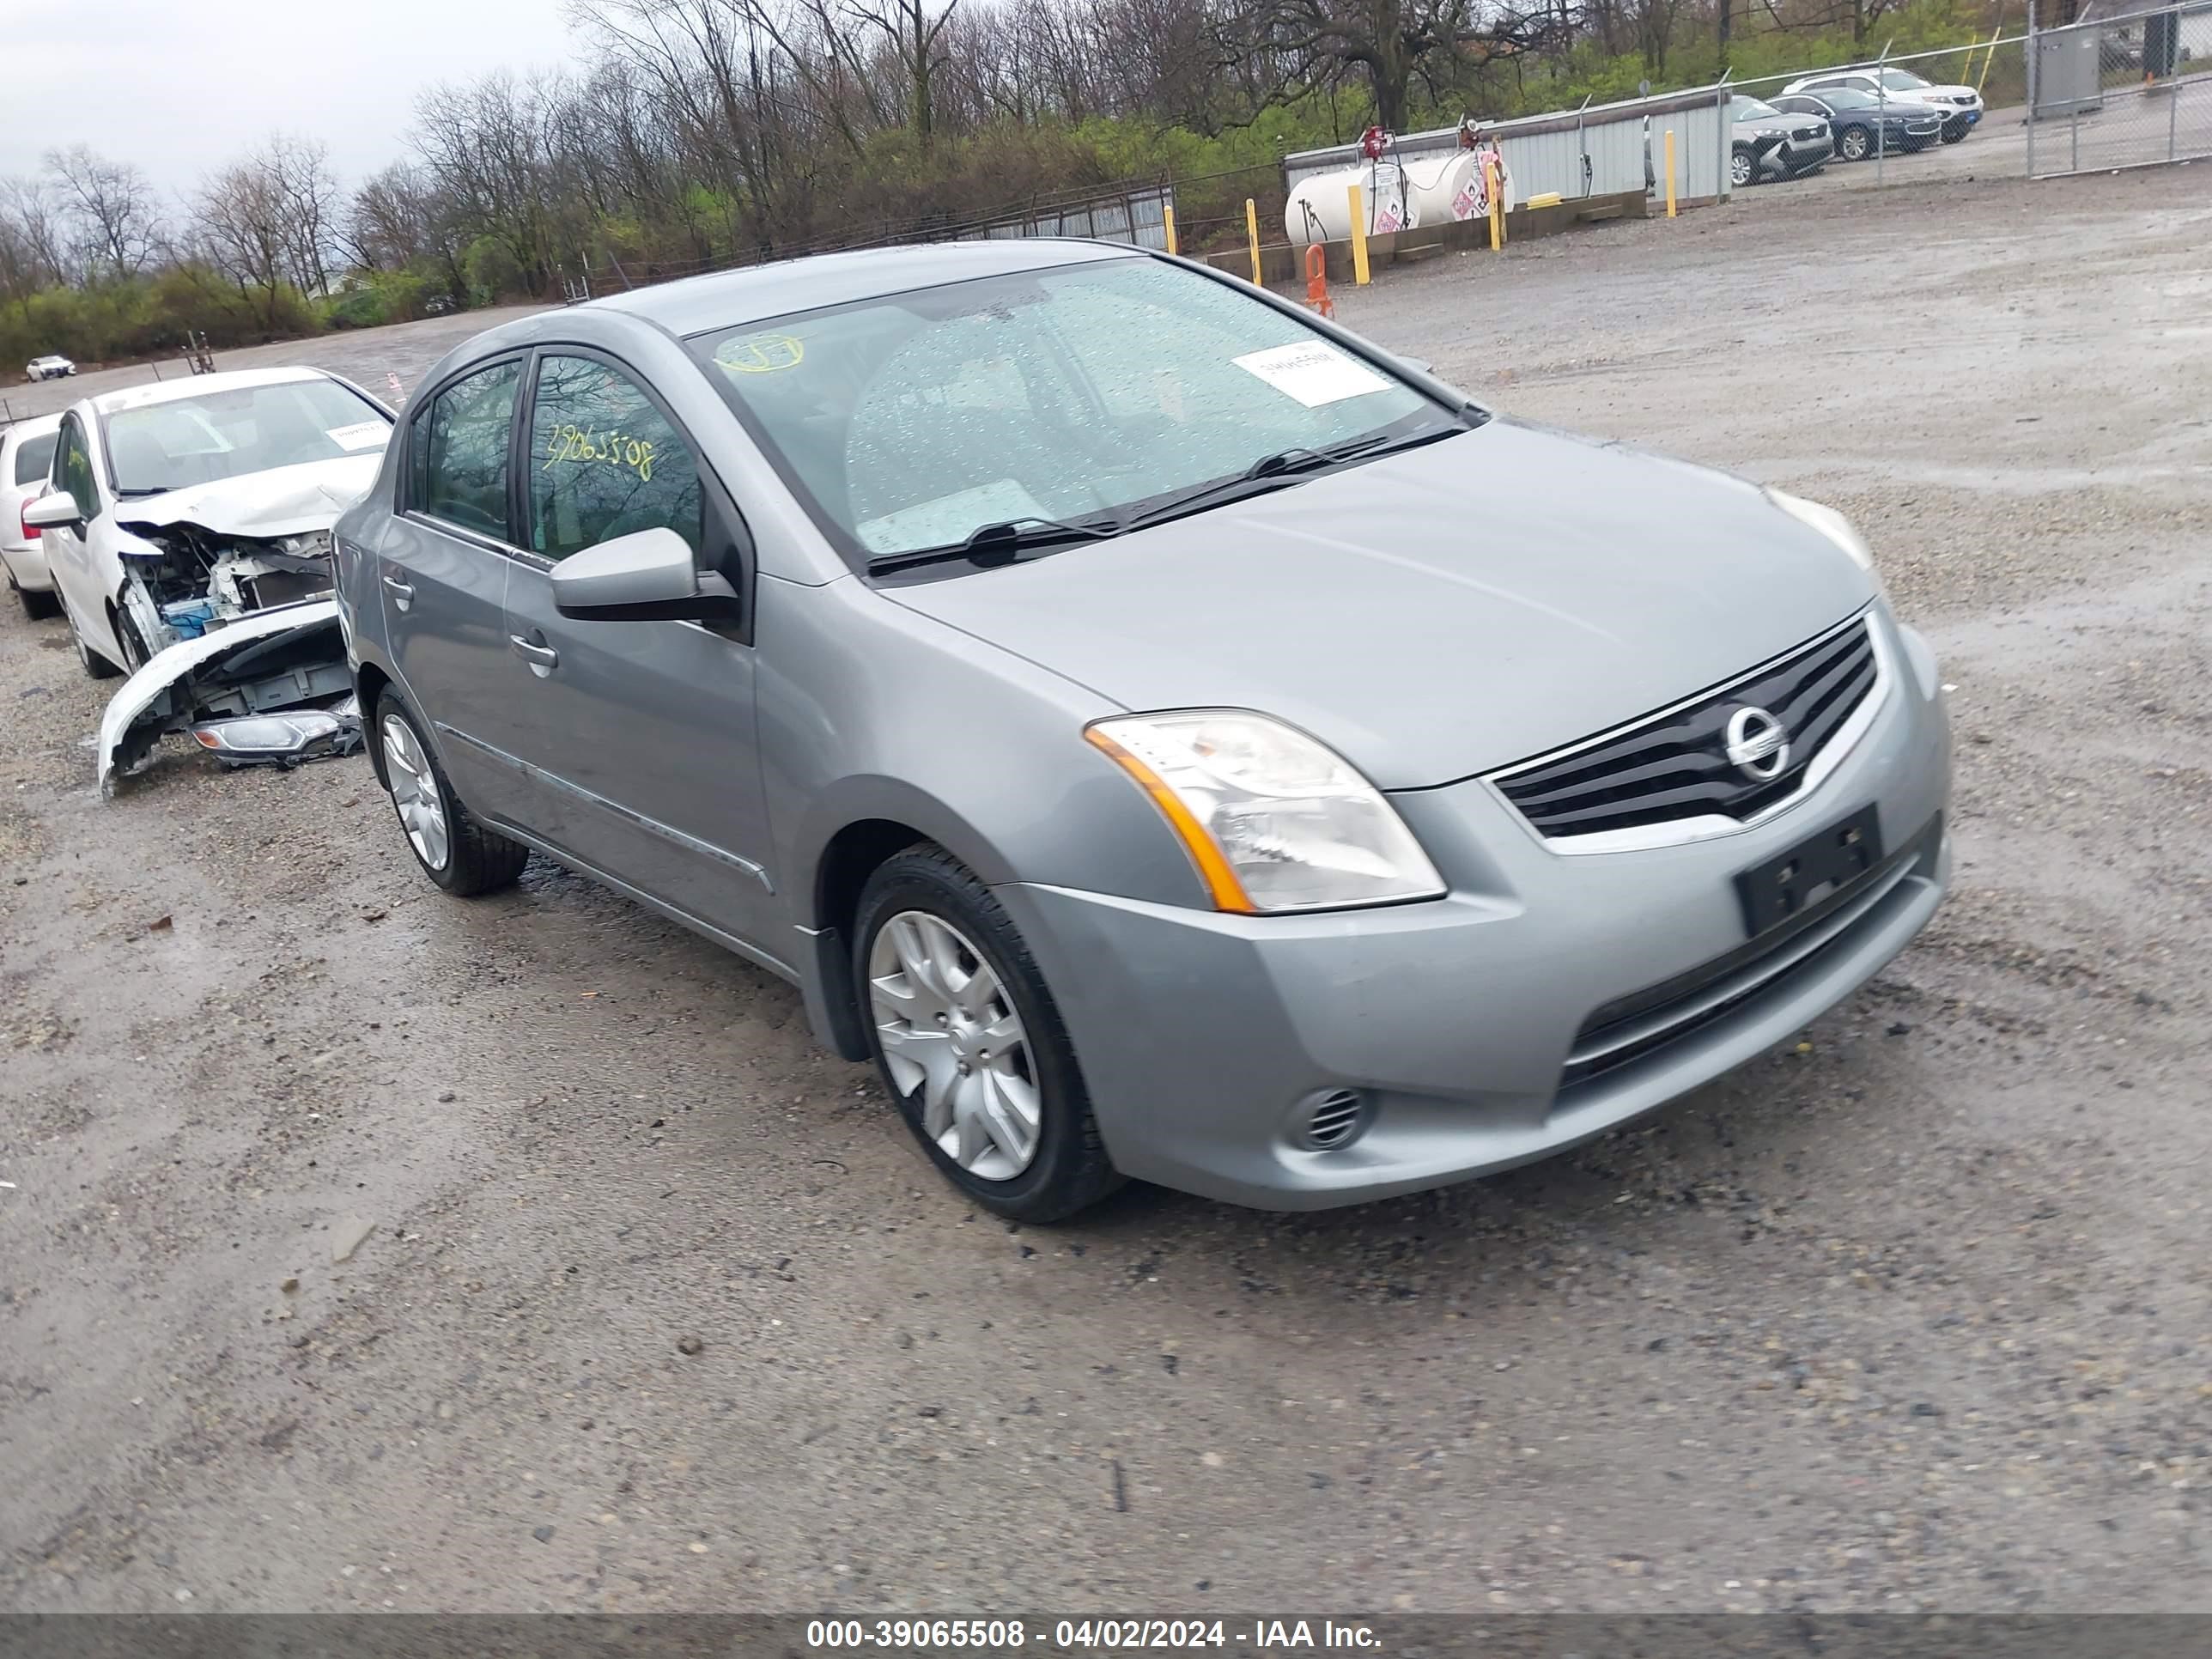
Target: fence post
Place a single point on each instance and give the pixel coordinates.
(1351, 197)
(2034, 54)
(1252, 233)
(2074, 158)
(2173, 114)
(1881, 113)
(1670, 172)
(1167, 218)
(1723, 184)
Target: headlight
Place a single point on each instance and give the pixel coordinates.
(1833, 525)
(1273, 820)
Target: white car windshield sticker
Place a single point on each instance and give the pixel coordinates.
(361, 435)
(949, 517)
(1313, 372)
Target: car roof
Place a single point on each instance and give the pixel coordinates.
(169, 391)
(29, 426)
(729, 299)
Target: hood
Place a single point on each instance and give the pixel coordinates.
(1780, 125)
(286, 501)
(1434, 614)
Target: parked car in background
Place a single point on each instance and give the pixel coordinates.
(1284, 850)
(189, 508)
(26, 454)
(49, 368)
(1862, 123)
(1771, 143)
(1960, 106)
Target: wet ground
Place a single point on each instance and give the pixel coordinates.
(659, 1311)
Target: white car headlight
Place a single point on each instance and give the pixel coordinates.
(1833, 525)
(1273, 820)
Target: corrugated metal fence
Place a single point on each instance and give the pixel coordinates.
(1600, 150)
(1134, 215)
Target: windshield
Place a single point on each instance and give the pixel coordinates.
(226, 435)
(1899, 81)
(912, 420)
(1750, 109)
(36, 458)
(1848, 97)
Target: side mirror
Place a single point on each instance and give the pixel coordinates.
(51, 511)
(646, 576)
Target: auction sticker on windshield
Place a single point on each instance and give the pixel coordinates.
(1313, 372)
(361, 435)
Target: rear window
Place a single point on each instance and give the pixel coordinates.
(35, 459)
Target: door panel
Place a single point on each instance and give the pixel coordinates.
(441, 578)
(444, 614)
(639, 736)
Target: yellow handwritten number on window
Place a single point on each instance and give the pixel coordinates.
(570, 442)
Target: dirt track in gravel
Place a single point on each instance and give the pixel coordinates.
(1916, 1317)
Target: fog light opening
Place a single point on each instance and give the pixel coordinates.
(1330, 1120)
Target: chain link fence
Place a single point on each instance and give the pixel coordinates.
(2128, 88)
(2121, 89)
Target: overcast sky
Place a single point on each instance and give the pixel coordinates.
(182, 86)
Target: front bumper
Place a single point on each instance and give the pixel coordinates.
(1802, 158)
(1468, 1022)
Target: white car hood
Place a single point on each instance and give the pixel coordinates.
(286, 501)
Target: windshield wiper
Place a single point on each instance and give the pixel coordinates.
(995, 543)
(1280, 470)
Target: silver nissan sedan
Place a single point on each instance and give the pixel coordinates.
(1172, 736)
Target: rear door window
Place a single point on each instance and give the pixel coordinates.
(458, 450)
(34, 458)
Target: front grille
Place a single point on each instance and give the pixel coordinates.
(1675, 765)
(1804, 134)
(1629, 1028)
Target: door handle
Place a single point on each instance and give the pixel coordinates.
(542, 659)
(403, 594)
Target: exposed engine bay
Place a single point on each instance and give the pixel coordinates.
(186, 579)
(229, 588)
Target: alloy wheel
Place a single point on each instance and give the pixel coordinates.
(414, 793)
(948, 1028)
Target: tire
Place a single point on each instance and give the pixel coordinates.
(1953, 138)
(1854, 143)
(95, 666)
(36, 606)
(459, 855)
(1743, 172)
(1067, 1168)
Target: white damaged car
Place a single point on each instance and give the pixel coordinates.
(188, 533)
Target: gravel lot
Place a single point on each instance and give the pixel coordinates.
(1912, 1315)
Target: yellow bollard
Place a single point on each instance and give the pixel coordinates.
(1670, 172)
(1167, 217)
(1252, 230)
(1358, 236)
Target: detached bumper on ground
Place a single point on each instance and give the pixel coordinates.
(1548, 1000)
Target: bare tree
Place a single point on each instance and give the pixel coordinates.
(242, 220)
(298, 169)
(118, 226)
(912, 33)
(35, 226)
(1388, 41)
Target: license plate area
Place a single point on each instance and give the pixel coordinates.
(1810, 873)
